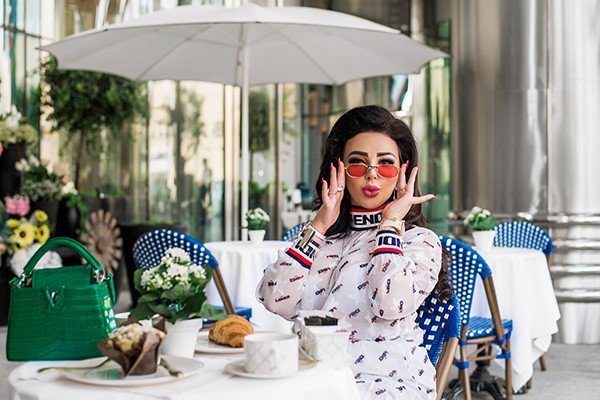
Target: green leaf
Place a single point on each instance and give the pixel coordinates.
(209, 311)
(149, 297)
(137, 277)
(161, 309)
(142, 311)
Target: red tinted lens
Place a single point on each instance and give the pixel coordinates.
(388, 171)
(356, 170)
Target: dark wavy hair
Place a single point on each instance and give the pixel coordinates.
(374, 118)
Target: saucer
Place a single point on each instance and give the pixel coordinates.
(111, 374)
(237, 368)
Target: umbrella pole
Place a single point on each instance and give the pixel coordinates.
(245, 142)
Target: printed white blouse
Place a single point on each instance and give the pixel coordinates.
(374, 281)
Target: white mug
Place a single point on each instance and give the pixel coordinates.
(271, 353)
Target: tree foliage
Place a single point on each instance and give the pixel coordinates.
(83, 103)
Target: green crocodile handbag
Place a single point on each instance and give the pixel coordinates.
(60, 313)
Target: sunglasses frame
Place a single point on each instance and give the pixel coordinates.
(369, 168)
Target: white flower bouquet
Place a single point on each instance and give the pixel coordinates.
(174, 288)
(480, 219)
(257, 219)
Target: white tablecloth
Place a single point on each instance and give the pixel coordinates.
(211, 383)
(525, 295)
(242, 265)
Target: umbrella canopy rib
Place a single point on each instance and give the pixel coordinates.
(310, 56)
(140, 76)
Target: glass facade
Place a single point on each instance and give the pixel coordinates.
(20, 38)
(182, 164)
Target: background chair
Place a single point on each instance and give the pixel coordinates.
(150, 248)
(467, 265)
(525, 235)
(440, 321)
(290, 235)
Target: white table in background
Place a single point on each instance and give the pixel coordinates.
(211, 383)
(525, 295)
(242, 265)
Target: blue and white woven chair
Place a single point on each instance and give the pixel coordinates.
(150, 248)
(526, 235)
(467, 265)
(290, 235)
(440, 321)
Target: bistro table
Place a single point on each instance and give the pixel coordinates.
(525, 295)
(321, 382)
(242, 265)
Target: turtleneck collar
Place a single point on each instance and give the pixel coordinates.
(363, 219)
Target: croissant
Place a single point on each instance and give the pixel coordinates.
(230, 331)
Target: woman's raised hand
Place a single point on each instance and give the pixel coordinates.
(332, 193)
(401, 206)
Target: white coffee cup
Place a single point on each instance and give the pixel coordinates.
(271, 353)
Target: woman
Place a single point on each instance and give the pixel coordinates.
(357, 261)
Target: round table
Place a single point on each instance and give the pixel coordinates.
(242, 265)
(321, 382)
(525, 295)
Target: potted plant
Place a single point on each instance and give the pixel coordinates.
(15, 136)
(257, 220)
(130, 233)
(174, 289)
(84, 103)
(42, 186)
(482, 224)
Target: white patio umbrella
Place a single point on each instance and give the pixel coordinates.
(244, 46)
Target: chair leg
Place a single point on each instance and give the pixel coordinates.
(220, 284)
(466, 384)
(464, 374)
(508, 373)
(529, 383)
(542, 363)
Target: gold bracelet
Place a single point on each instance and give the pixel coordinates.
(308, 233)
(394, 224)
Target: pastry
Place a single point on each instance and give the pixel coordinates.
(230, 331)
(135, 347)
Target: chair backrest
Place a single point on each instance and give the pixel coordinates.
(290, 235)
(466, 265)
(523, 234)
(440, 321)
(150, 248)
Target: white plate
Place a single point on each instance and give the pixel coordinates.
(205, 345)
(111, 374)
(237, 368)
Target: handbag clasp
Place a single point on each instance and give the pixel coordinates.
(100, 276)
(25, 280)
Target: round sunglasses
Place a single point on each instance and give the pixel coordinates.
(383, 170)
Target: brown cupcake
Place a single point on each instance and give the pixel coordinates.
(134, 347)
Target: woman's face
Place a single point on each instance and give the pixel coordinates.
(372, 149)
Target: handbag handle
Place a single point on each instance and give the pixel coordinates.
(61, 241)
